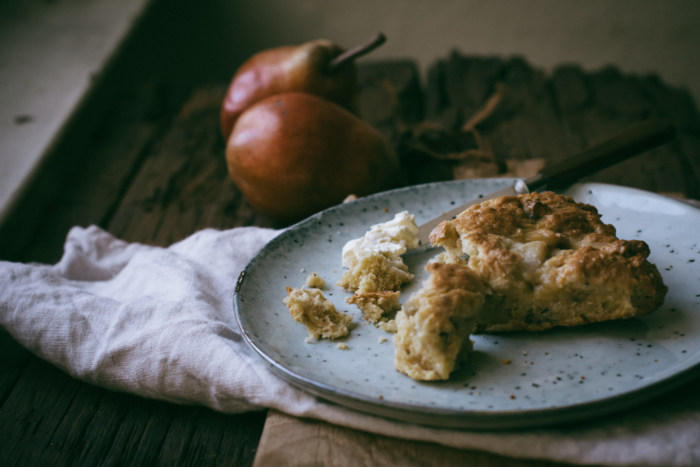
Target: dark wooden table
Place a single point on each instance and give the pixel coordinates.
(155, 173)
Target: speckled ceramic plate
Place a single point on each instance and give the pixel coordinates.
(560, 375)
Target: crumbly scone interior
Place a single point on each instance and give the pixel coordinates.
(376, 270)
(435, 323)
(374, 305)
(389, 326)
(310, 308)
(374, 278)
(549, 261)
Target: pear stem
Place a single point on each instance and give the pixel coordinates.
(357, 52)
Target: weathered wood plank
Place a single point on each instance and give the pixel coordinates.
(213, 442)
(390, 97)
(33, 410)
(91, 192)
(101, 436)
(66, 441)
(529, 127)
(183, 184)
(554, 117)
(139, 435)
(615, 102)
(13, 361)
(240, 441)
(293, 442)
(458, 86)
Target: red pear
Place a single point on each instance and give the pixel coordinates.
(318, 67)
(294, 154)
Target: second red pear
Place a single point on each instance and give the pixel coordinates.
(295, 154)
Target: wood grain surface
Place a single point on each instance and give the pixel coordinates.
(155, 173)
(293, 442)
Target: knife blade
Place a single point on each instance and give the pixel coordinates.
(620, 147)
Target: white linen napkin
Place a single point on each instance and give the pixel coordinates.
(158, 322)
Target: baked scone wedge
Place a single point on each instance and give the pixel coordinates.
(435, 323)
(549, 261)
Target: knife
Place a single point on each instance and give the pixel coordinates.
(561, 174)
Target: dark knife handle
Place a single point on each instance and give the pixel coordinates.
(629, 143)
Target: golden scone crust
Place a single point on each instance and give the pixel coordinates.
(550, 261)
(435, 323)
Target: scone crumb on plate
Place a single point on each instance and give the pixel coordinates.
(310, 308)
(342, 346)
(388, 326)
(314, 280)
(376, 304)
(382, 339)
(308, 340)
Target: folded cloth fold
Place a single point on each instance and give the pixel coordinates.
(158, 322)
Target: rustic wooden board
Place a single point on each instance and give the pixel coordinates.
(155, 173)
(291, 442)
(183, 185)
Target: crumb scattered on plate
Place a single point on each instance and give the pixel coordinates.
(314, 280)
(310, 308)
(342, 346)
